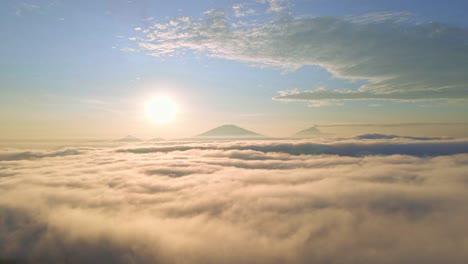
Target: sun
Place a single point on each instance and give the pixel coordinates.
(160, 109)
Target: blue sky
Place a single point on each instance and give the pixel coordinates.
(85, 68)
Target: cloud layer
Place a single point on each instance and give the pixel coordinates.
(235, 202)
(413, 146)
(400, 58)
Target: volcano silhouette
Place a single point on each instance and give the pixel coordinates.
(229, 131)
(308, 133)
(129, 138)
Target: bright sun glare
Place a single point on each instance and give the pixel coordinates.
(160, 109)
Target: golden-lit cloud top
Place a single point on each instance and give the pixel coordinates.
(237, 202)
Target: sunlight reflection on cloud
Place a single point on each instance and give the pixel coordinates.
(235, 202)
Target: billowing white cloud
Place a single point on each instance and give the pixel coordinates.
(235, 202)
(400, 58)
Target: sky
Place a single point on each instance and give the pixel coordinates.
(85, 69)
(381, 85)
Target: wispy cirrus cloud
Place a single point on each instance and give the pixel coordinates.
(401, 58)
(241, 10)
(25, 7)
(325, 94)
(275, 6)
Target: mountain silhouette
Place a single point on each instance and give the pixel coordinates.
(129, 138)
(229, 131)
(309, 133)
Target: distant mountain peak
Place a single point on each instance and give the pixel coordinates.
(309, 132)
(129, 138)
(229, 131)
